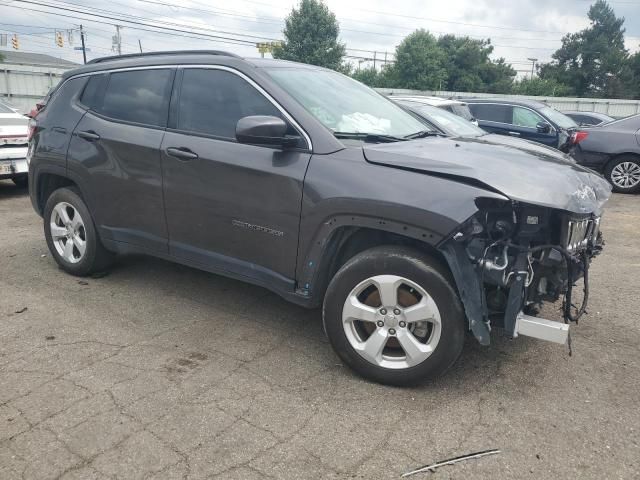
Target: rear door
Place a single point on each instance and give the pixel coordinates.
(493, 118)
(230, 206)
(114, 155)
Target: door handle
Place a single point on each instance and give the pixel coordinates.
(181, 153)
(59, 130)
(89, 135)
(514, 134)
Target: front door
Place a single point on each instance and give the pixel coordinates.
(525, 122)
(230, 207)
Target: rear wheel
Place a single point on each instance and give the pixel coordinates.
(392, 315)
(624, 174)
(71, 235)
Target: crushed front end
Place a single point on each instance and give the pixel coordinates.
(511, 257)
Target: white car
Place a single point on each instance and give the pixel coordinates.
(14, 133)
(454, 106)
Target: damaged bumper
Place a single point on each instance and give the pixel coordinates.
(510, 258)
(13, 163)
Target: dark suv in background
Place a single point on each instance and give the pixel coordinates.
(308, 183)
(525, 119)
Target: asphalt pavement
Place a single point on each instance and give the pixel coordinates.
(162, 371)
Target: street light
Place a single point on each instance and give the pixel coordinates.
(533, 65)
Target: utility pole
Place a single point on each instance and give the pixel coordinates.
(374, 60)
(117, 40)
(140, 45)
(84, 50)
(533, 65)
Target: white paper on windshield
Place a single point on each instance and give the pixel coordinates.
(363, 122)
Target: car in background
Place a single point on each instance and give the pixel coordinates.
(446, 123)
(614, 150)
(14, 130)
(456, 107)
(525, 119)
(588, 118)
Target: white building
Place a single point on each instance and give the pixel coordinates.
(27, 77)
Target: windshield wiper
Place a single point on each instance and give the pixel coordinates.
(369, 137)
(423, 134)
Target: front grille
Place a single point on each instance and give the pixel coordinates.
(581, 232)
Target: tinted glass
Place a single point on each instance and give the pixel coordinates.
(212, 102)
(343, 104)
(94, 90)
(491, 113)
(139, 96)
(523, 117)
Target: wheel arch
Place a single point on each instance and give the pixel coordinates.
(350, 235)
(616, 156)
(45, 184)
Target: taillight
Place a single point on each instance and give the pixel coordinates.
(578, 136)
(32, 128)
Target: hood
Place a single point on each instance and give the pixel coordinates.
(533, 147)
(535, 175)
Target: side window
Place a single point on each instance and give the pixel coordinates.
(94, 91)
(140, 96)
(491, 112)
(523, 117)
(212, 102)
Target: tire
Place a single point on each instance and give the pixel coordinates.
(623, 173)
(414, 276)
(21, 181)
(87, 254)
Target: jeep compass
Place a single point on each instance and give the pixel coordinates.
(308, 183)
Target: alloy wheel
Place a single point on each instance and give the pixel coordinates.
(626, 175)
(68, 232)
(391, 321)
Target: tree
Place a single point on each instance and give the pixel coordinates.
(633, 83)
(469, 68)
(369, 76)
(311, 36)
(594, 61)
(545, 87)
(420, 63)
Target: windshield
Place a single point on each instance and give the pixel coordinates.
(451, 123)
(462, 111)
(558, 118)
(343, 104)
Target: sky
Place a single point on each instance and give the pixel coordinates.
(519, 29)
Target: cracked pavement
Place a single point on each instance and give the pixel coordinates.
(162, 371)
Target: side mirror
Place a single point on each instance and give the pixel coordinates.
(264, 130)
(543, 127)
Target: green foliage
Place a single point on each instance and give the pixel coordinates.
(634, 76)
(545, 87)
(594, 61)
(369, 76)
(311, 36)
(420, 63)
(469, 68)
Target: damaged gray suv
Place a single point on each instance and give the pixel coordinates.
(310, 184)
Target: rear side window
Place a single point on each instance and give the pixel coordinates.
(94, 90)
(212, 102)
(491, 113)
(140, 96)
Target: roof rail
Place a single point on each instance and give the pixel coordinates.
(171, 52)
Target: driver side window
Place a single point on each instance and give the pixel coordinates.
(523, 117)
(212, 101)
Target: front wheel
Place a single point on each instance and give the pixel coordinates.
(393, 316)
(624, 174)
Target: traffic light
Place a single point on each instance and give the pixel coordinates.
(14, 42)
(59, 39)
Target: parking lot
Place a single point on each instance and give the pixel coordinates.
(162, 371)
